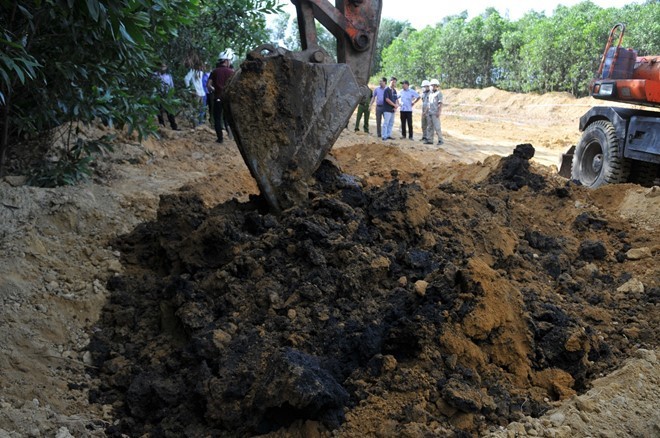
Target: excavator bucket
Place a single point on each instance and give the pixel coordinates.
(566, 163)
(286, 115)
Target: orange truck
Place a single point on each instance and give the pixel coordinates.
(619, 144)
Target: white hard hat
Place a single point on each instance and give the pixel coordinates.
(227, 54)
(435, 82)
(425, 83)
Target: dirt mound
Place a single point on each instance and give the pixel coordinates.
(443, 311)
(58, 254)
(563, 107)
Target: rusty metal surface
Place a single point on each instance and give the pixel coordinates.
(355, 25)
(566, 163)
(286, 115)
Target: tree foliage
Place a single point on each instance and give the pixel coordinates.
(73, 61)
(388, 31)
(536, 53)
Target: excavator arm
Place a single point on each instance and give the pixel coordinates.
(354, 23)
(287, 109)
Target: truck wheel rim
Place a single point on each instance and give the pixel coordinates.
(597, 163)
(592, 163)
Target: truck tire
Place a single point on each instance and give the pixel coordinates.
(596, 160)
(644, 173)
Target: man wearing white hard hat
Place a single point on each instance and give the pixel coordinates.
(435, 109)
(426, 91)
(216, 84)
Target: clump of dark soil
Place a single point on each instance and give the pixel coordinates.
(514, 171)
(454, 309)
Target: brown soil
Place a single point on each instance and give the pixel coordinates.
(424, 291)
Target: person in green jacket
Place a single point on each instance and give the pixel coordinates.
(363, 110)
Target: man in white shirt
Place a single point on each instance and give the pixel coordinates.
(166, 84)
(407, 98)
(193, 81)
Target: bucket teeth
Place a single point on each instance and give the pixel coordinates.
(286, 115)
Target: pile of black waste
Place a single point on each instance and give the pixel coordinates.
(231, 321)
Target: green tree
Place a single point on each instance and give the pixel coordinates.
(508, 60)
(409, 56)
(459, 52)
(490, 30)
(537, 53)
(216, 26)
(573, 46)
(80, 48)
(642, 27)
(66, 62)
(467, 48)
(388, 31)
(562, 52)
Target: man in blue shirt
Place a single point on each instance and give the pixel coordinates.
(379, 98)
(407, 98)
(208, 99)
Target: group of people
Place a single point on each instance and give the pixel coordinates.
(388, 100)
(207, 90)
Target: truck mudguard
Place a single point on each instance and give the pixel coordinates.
(638, 131)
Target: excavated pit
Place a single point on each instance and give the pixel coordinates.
(452, 309)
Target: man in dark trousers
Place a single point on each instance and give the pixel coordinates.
(216, 84)
(166, 83)
(363, 110)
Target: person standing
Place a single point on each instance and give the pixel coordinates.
(435, 110)
(208, 98)
(216, 84)
(363, 110)
(194, 81)
(394, 97)
(426, 91)
(408, 98)
(390, 105)
(378, 98)
(166, 84)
